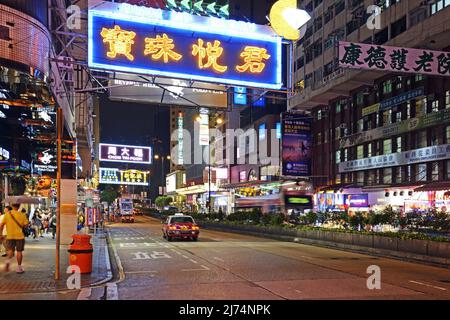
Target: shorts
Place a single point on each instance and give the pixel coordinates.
(15, 245)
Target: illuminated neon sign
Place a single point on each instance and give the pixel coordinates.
(123, 177)
(126, 154)
(178, 45)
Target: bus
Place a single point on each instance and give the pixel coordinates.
(126, 209)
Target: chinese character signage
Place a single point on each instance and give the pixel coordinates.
(426, 154)
(393, 59)
(127, 154)
(296, 145)
(174, 92)
(123, 177)
(155, 42)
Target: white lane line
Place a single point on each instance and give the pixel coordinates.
(298, 291)
(204, 268)
(140, 272)
(186, 257)
(111, 292)
(427, 285)
(193, 261)
(220, 259)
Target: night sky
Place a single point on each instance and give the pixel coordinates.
(136, 124)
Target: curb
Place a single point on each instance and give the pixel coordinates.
(111, 288)
(404, 256)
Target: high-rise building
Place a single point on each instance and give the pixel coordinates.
(350, 133)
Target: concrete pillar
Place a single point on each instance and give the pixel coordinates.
(68, 210)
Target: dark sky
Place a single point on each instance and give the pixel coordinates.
(136, 124)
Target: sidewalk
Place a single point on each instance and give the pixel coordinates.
(39, 265)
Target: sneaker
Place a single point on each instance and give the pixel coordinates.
(20, 269)
(6, 267)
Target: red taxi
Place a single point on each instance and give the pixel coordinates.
(180, 226)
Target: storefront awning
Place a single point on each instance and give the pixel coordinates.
(434, 186)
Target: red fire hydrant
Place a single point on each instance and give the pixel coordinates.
(80, 252)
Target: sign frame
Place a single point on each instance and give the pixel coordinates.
(127, 146)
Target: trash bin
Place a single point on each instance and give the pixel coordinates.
(80, 252)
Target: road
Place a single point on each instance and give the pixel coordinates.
(233, 267)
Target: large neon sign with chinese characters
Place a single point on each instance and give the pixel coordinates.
(126, 154)
(178, 45)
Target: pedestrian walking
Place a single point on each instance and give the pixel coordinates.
(52, 225)
(14, 221)
(3, 249)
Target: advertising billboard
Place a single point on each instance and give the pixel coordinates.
(357, 200)
(147, 41)
(296, 145)
(123, 177)
(394, 59)
(124, 153)
(168, 91)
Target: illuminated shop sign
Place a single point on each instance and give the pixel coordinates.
(297, 200)
(357, 200)
(149, 41)
(426, 154)
(240, 95)
(123, 177)
(123, 153)
(393, 59)
(45, 160)
(4, 154)
(394, 101)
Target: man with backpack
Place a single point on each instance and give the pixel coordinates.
(15, 222)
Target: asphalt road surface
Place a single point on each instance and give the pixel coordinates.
(231, 266)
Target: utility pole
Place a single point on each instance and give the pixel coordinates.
(59, 126)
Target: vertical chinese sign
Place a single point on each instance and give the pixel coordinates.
(394, 59)
(155, 42)
(296, 145)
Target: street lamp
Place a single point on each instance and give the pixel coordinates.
(157, 157)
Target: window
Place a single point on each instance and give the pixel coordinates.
(448, 169)
(338, 156)
(387, 146)
(360, 125)
(325, 137)
(360, 152)
(345, 154)
(328, 15)
(447, 99)
(371, 177)
(369, 150)
(319, 138)
(398, 144)
(419, 77)
(422, 139)
(360, 99)
(421, 172)
(439, 5)
(435, 105)
(338, 104)
(447, 134)
(421, 107)
(337, 133)
(360, 177)
(435, 171)
(398, 174)
(408, 110)
(398, 116)
(319, 115)
(387, 176)
(387, 87)
(338, 179)
(398, 27)
(387, 117)
(417, 16)
(262, 131)
(377, 120)
(318, 24)
(409, 173)
(339, 7)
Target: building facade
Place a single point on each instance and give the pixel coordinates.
(382, 135)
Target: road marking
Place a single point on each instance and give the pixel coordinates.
(298, 291)
(140, 272)
(186, 257)
(193, 261)
(111, 292)
(428, 285)
(220, 259)
(84, 294)
(204, 268)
